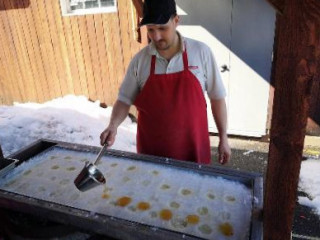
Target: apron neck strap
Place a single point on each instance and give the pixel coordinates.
(153, 64)
(185, 58)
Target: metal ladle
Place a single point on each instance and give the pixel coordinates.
(90, 176)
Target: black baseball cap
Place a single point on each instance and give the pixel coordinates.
(157, 11)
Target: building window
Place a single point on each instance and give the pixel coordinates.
(81, 7)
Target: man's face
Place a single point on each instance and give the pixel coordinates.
(163, 35)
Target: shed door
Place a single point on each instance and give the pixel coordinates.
(240, 34)
(250, 66)
(209, 21)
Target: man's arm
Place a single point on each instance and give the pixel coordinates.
(119, 113)
(219, 112)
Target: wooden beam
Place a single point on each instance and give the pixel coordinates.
(278, 5)
(297, 58)
(142, 33)
(138, 4)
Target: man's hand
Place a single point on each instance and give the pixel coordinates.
(224, 151)
(119, 113)
(108, 136)
(219, 112)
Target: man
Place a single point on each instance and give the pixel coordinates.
(166, 82)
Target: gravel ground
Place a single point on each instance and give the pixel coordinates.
(252, 155)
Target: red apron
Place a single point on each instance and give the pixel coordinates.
(172, 116)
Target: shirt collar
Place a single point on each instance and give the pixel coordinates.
(153, 50)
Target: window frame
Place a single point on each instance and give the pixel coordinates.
(66, 11)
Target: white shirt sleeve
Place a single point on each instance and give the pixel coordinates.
(214, 85)
(129, 88)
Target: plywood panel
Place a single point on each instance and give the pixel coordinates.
(6, 92)
(115, 56)
(58, 56)
(104, 64)
(18, 37)
(112, 75)
(79, 56)
(28, 40)
(94, 56)
(123, 15)
(74, 70)
(48, 50)
(11, 54)
(39, 47)
(9, 67)
(82, 22)
(34, 36)
(55, 7)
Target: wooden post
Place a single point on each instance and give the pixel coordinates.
(139, 7)
(297, 58)
(278, 5)
(1, 153)
(142, 33)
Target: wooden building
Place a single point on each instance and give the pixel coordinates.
(45, 55)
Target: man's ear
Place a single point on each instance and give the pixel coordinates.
(176, 20)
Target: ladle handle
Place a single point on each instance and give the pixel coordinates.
(100, 153)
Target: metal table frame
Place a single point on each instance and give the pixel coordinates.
(116, 227)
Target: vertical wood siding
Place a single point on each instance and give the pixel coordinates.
(44, 55)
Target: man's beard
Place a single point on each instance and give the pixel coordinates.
(162, 45)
